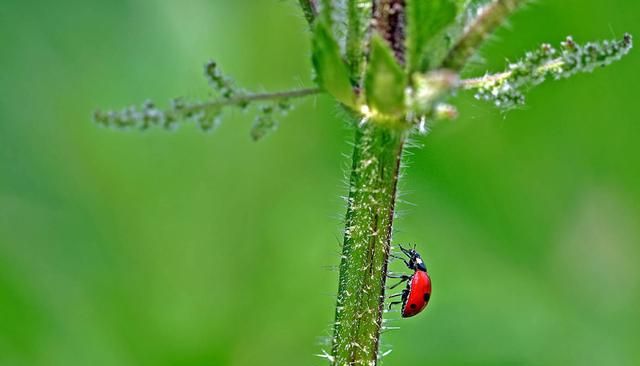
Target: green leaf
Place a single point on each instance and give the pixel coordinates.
(385, 81)
(308, 10)
(327, 9)
(426, 20)
(332, 74)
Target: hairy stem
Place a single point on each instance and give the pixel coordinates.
(488, 20)
(369, 222)
(375, 171)
(359, 17)
(206, 113)
(242, 99)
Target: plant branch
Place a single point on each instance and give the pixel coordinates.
(206, 113)
(507, 89)
(488, 20)
(479, 82)
(243, 99)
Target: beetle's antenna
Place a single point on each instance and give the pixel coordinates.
(404, 250)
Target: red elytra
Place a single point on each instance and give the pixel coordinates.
(419, 288)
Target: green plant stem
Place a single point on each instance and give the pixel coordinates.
(490, 18)
(372, 195)
(243, 99)
(359, 16)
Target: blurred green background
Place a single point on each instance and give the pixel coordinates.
(188, 248)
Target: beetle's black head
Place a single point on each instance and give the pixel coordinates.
(415, 260)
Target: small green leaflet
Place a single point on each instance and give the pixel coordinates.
(385, 81)
(332, 74)
(426, 20)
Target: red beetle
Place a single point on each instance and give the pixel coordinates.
(418, 292)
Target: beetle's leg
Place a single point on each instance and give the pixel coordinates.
(403, 278)
(402, 259)
(404, 294)
(395, 295)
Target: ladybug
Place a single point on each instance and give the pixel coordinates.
(416, 295)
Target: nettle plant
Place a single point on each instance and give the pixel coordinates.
(391, 65)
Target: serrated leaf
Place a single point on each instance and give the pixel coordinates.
(426, 19)
(385, 81)
(332, 74)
